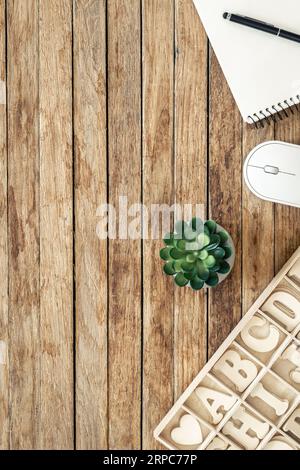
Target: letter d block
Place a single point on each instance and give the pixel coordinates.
(284, 308)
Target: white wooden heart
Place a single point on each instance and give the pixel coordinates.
(188, 433)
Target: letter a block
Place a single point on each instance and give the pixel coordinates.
(214, 401)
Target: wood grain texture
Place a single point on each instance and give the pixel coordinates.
(23, 217)
(287, 219)
(4, 333)
(225, 194)
(90, 252)
(107, 99)
(258, 228)
(158, 177)
(56, 225)
(190, 326)
(124, 137)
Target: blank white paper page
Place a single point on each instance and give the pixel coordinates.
(262, 70)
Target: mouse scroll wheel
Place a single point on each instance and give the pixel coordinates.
(272, 170)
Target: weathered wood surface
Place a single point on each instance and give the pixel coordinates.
(24, 348)
(90, 184)
(110, 99)
(4, 365)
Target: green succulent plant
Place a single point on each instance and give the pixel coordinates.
(196, 253)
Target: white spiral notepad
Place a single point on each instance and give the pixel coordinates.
(263, 71)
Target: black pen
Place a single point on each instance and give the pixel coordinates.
(262, 26)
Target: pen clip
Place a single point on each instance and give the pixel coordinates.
(258, 21)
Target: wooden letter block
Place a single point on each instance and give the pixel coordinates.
(294, 273)
(280, 406)
(188, 433)
(243, 432)
(217, 444)
(285, 308)
(268, 338)
(292, 354)
(241, 372)
(293, 425)
(278, 445)
(295, 376)
(214, 401)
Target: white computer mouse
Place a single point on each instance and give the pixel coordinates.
(272, 172)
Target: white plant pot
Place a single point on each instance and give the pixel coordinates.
(230, 260)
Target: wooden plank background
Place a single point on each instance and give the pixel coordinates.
(104, 99)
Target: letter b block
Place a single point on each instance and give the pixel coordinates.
(240, 372)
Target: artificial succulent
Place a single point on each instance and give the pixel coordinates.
(196, 253)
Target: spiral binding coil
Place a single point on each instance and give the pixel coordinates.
(280, 111)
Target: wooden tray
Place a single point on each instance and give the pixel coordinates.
(247, 397)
